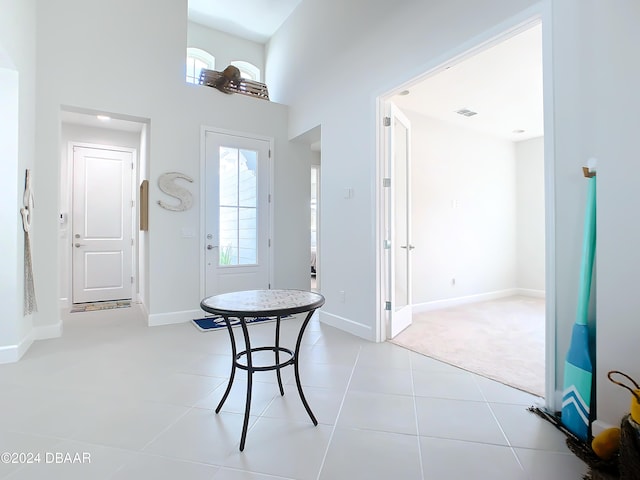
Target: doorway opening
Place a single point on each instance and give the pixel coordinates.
(315, 225)
(478, 222)
(103, 252)
(312, 139)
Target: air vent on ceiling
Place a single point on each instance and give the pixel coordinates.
(466, 112)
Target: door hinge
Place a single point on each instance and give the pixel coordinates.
(132, 166)
(133, 203)
(386, 121)
(387, 306)
(269, 198)
(132, 242)
(387, 244)
(269, 243)
(386, 182)
(131, 278)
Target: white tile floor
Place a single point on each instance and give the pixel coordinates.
(139, 402)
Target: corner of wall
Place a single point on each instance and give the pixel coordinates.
(170, 318)
(349, 326)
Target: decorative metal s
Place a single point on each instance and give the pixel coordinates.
(166, 183)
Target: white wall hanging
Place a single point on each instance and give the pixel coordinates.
(30, 304)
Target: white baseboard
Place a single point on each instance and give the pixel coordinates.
(349, 326)
(528, 292)
(143, 309)
(50, 331)
(481, 297)
(13, 353)
(599, 426)
(157, 319)
(454, 302)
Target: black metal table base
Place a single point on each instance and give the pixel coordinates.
(250, 368)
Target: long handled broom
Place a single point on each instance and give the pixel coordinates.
(578, 370)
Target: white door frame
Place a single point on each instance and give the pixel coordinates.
(203, 163)
(67, 218)
(497, 35)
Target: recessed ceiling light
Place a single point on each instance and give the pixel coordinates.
(404, 92)
(103, 118)
(466, 112)
(517, 131)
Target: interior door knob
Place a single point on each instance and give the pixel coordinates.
(78, 245)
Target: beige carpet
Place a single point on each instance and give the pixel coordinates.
(499, 339)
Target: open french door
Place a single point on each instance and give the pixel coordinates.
(398, 245)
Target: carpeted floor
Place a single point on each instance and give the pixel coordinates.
(501, 339)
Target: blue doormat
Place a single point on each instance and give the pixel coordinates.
(208, 324)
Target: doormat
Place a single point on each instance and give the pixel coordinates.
(208, 324)
(93, 307)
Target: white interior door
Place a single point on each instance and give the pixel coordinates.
(398, 206)
(102, 228)
(237, 213)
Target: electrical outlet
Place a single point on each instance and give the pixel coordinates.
(453, 281)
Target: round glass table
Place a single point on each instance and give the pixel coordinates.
(251, 304)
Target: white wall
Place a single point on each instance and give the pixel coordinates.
(224, 47)
(591, 94)
(9, 259)
(333, 80)
(464, 212)
(133, 64)
(17, 133)
(530, 251)
(611, 132)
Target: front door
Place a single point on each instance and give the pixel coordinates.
(237, 213)
(398, 221)
(102, 225)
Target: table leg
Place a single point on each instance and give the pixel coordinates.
(233, 365)
(296, 368)
(247, 407)
(277, 350)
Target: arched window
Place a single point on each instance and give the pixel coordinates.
(247, 70)
(198, 59)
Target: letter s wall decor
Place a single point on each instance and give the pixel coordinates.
(167, 184)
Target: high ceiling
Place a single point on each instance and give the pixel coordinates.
(256, 20)
(502, 84)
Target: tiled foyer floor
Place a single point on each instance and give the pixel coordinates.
(139, 402)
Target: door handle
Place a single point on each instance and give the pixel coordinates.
(410, 247)
(211, 247)
(78, 245)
